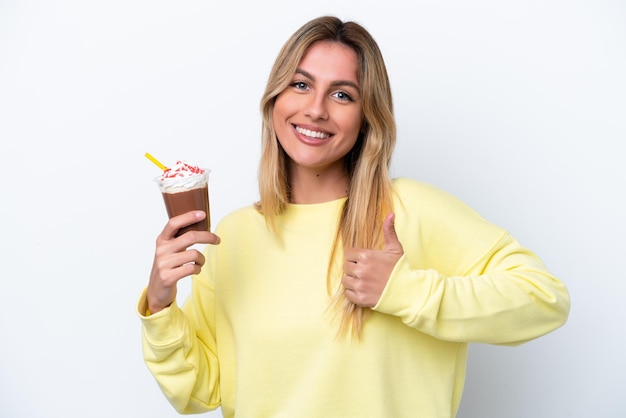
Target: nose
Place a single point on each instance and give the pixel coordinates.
(316, 107)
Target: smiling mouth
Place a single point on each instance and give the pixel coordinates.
(312, 134)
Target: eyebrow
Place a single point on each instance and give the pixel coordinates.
(334, 83)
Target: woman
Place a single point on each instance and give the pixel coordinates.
(341, 293)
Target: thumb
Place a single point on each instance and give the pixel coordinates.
(392, 243)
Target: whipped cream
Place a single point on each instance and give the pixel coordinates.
(182, 176)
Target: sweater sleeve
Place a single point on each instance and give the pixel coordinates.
(463, 279)
(179, 348)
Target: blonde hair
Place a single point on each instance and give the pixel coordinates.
(367, 164)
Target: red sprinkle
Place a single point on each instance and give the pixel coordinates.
(181, 169)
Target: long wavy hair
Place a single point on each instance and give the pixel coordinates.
(367, 164)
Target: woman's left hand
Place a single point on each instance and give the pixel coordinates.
(366, 272)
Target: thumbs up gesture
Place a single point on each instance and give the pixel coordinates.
(366, 272)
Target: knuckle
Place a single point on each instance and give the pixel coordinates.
(160, 264)
(360, 300)
(167, 279)
(190, 237)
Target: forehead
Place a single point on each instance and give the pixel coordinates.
(331, 60)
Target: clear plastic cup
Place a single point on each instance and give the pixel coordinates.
(184, 194)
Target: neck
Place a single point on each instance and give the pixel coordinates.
(309, 185)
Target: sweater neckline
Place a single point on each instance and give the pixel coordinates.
(311, 212)
(314, 206)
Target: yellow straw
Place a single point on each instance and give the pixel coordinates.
(155, 161)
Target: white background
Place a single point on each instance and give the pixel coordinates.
(516, 107)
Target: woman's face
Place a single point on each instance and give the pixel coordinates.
(317, 118)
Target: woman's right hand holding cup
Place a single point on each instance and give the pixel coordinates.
(173, 259)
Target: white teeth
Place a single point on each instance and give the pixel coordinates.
(312, 134)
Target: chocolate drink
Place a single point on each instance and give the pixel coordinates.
(185, 201)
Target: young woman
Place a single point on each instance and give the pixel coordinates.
(341, 293)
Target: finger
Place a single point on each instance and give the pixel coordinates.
(392, 243)
(185, 257)
(352, 255)
(186, 270)
(348, 283)
(351, 268)
(350, 295)
(169, 270)
(356, 297)
(177, 222)
(167, 250)
(190, 238)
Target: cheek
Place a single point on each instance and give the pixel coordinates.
(285, 103)
(278, 118)
(353, 124)
(282, 111)
(276, 109)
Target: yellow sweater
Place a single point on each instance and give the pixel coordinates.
(256, 338)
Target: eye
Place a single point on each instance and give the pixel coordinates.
(343, 96)
(300, 85)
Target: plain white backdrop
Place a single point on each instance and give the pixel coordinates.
(518, 108)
